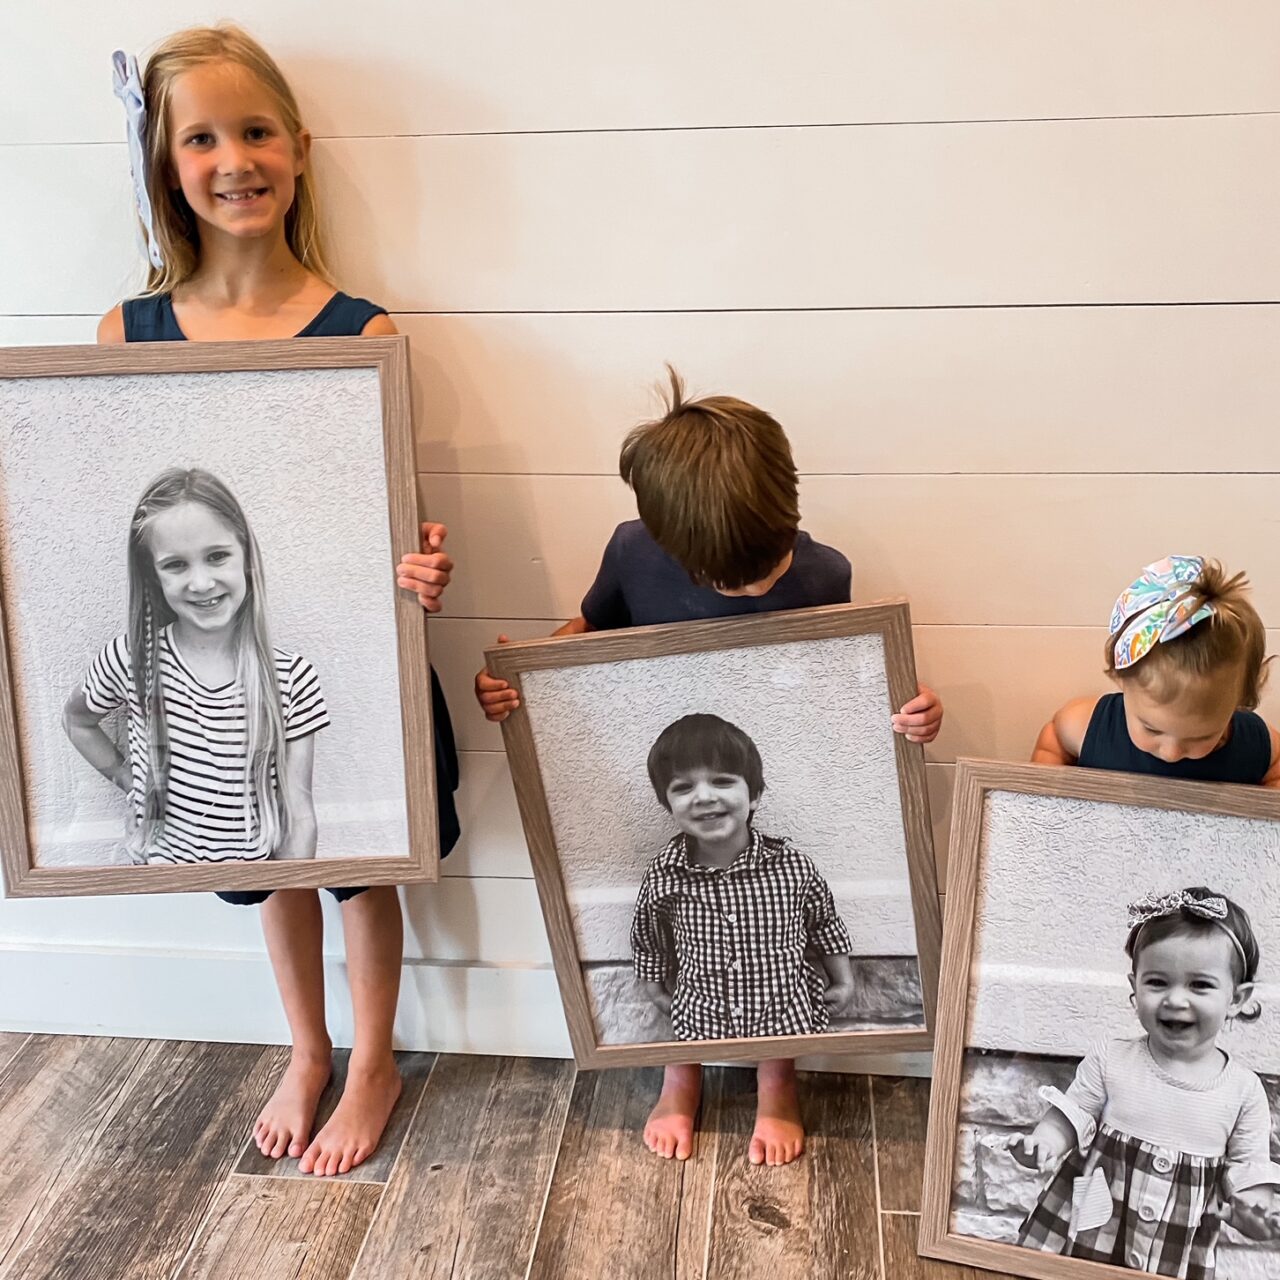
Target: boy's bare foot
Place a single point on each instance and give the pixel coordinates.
(354, 1130)
(779, 1133)
(669, 1131)
(284, 1127)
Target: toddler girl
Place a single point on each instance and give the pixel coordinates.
(227, 202)
(1162, 1137)
(1188, 652)
(220, 724)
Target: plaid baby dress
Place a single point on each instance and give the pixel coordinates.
(1157, 1158)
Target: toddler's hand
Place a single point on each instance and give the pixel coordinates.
(427, 574)
(496, 697)
(1254, 1213)
(921, 718)
(1032, 1152)
(837, 997)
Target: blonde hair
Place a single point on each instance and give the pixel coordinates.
(175, 225)
(1231, 639)
(716, 486)
(264, 796)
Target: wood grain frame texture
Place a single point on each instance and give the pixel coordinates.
(890, 619)
(975, 780)
(390, 357)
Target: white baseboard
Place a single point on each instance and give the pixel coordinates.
(230, 996)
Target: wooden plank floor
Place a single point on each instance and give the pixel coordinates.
(131, 1159)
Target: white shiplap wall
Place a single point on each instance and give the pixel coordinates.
(1006, 272)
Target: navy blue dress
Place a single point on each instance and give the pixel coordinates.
(151, 319)
(1245, 757)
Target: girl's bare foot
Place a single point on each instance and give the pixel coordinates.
(284, 1127)
(669, 1131)
(779, 1133)
(354, 1130)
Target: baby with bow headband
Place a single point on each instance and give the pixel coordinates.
(1188, 652)
(1162, 1137)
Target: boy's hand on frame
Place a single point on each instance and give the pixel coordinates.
(496, 697)
(921, 718)
(427, 573)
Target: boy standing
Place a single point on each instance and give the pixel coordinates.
(725, 916)
(718, 536)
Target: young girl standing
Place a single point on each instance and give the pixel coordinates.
(229, 209)
(1188, 652)
(1162, 1137)
(221, 724)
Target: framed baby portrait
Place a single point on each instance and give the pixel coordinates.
(208, 679)
(731, 845)
(1106, 1088)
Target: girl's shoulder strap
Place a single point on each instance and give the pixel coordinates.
(342, 317)
(150, 319)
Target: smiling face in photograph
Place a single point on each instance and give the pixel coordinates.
(711, 805)
(199, 564)
(1184, 988)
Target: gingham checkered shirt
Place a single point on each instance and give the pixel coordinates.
(730, 942)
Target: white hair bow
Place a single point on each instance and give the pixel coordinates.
(127, 84)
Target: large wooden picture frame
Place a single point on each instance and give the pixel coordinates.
(315, 440)
(1043, 863)
(815, 688)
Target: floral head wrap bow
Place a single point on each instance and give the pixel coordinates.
(1158, 605)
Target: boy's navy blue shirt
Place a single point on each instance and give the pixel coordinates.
(640, 585)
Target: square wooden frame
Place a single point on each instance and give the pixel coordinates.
(889, 619)
(390, 358)
(975, 779)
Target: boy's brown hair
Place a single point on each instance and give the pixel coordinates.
(1232, 637)
(716, 486)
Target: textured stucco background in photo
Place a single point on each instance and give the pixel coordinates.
(992, 1192)
(819, 714)
(1049, 971)
(302, 451)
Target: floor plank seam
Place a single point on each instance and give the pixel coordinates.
(199, 1227)
(551, 1175)
(17, 1049)
(715, 1177)
(50, 1192)
(395, 1164)
(875, 1166)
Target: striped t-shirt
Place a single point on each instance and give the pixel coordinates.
(205, 816)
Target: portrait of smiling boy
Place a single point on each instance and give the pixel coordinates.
(726, 916)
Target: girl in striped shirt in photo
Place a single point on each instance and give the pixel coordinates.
(221, 725)
(1162, 1137)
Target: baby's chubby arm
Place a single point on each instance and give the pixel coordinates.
(300, 841)
(1061, 739)
(83, 727)
(1046, 1144)
(1255, 1212)
(496, 697)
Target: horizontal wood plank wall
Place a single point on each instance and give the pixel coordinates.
(1005, 274)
